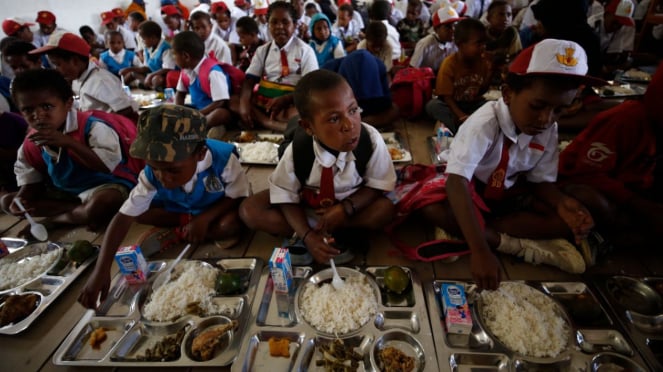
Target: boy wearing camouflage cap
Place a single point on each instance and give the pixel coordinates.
(190, 183)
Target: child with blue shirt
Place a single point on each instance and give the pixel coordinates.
(158, 59)
(117, 57)
(325, 45)
(190, 183)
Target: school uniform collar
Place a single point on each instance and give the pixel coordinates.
(287, 45)
(508, 127)
(193, 73)
(328, 159)
(120, 54)
(152, 50)
(201, 166)
(70, 125)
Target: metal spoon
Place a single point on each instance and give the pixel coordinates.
(337, 282)
(36, 229)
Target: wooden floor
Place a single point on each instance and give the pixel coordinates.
(33, 349)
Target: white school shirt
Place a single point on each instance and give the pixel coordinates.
(103, 140)
(237, 185)
(284, 187)
(128, 36)
(167, 59)
(343, 33)
(429, 52)
(39, 39)
(263, 32)
(119, 58)
(474, 8)
(393, 37)
(619, 41)
(477, 148)
(230, 35)
(301, 61)
(99, 89)
(219, 47)
(218, 82)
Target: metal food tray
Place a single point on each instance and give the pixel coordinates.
(129, 335)
(401, 321)
(14, 244)
(394, 140)
(432, 150)
(274, 138)
(47, 287)
(638, 305)
(596, 340)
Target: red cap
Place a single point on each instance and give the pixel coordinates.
(444, 15)
(260, 7)
(65, 41)
(219, 7)
(240, 3)
(11, 26)
(341, 2)
(170, 10)
(107, 17)
(118, 12)
(623, 11)
(45, 17)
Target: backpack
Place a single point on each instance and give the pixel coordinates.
(303, 155)
(129, 167)
(235, 75)
(411, 89)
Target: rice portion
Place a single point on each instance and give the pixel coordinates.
(339, 311)
(525, 320)
(258, 152)
(194, 283)
(13, 274)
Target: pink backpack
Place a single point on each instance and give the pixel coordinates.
(236, 76)
(410, 90)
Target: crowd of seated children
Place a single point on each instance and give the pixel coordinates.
(249, 41)
(109, 20)
(174, 20)
(463, 77)
(432, 49)
(190, 184)
(325, 45)
(18, 29)
(377, 44)
(276, 66)
(96, 88)
(337, 189)
(95, 41)
(346, 29)
(411, 28)
(117, 57)
(503, 42)
(72, 166)
(158, 59)
(215, 47)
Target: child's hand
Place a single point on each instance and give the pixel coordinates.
(485, 270)
(318, 248)
(275, 106)
(50, 137)
(195, 231)
(245, 113)
(576, 216)
(330, 218)
(99, 283)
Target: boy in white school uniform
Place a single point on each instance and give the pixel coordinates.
(435, 47)
(201, 24)
(617, 32)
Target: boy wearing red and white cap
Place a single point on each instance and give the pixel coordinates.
(109, 20)
(19, 29)
(260, 15)
(97, 88)
(47, 27)
(617, 31)
(431, 50)
(504, 157)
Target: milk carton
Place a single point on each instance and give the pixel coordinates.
(457, 315)
(281, 270)
(132, 264)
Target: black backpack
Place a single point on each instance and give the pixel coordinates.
(303, 155)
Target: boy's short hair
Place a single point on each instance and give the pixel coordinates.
(248, 25)
(21, 48)
(379, 10)
(136, 16)
(110, 34)
(314, 81)
(376, 31)
(347, 8)
(7, 41)
(85, 29)
(169, 133)
(282, 5)
(199, 16)
(42, 80)
(467, 27)
(150, 29)
(414, 3)
(190, 43)
(496, 4)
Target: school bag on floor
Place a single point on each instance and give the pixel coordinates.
(410, 90)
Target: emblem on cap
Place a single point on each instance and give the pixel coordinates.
(568, 58)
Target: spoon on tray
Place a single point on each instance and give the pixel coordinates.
(337, 282)
(36, 229)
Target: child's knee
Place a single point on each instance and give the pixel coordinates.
(219, 116)
(6, 202)
(253, 207)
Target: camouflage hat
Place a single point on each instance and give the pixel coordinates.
(168, 133)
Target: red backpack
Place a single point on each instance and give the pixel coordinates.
(411, 89)
(236, 76)
(129, 167)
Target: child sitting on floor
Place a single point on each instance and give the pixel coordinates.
(117, 57)
(277, 66)
(434, 48)
(96, 88)
(73, 166)
(215, 47)
(379, 12)
(109, 20)
(463, 77)
(505, 155)
(325, 45)
(190, 183)
(346, 29)
(376, 43)
(342, 183)
(158, 60)
(96, 42)
(249, 41)
(224, 26)
(503, 42)
(174, 20)
(202, 77)
(411, 28)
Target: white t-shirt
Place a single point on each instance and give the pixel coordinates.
(99, 89)
(619, 41)
(393, 37)
(301, 60)
(218, 82)
(429, 52)
(477, 148)
(219, 47)
(284, 187)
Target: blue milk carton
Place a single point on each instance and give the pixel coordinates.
(457, 315)
(280, 269)
(132, 264)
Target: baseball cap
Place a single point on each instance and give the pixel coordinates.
(65, 41)
(170, 10)
(11, 26)
(168, 133)
(444, 15)
(623, 11)
(118, 12)
(45, 17)
(554, 57)
(219, 7)
(241, 3)
(341, 2)
(107, 17)
(261, 7)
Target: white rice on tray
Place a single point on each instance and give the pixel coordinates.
(339, 311)
(13, 274)
(525, 320)
(195, 283)
(258, 152)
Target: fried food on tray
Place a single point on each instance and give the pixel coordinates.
(246, 136)
(395, 153)
(204, 344)
(97, 337)
(395, 360)
(279, 347)
(17, 308)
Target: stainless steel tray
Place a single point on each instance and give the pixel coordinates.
(401, 321)
(129, 336)
(274, 138)
(14, 244)
(395, 143)
(638, 305)
(597, 341)
(47, 286)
